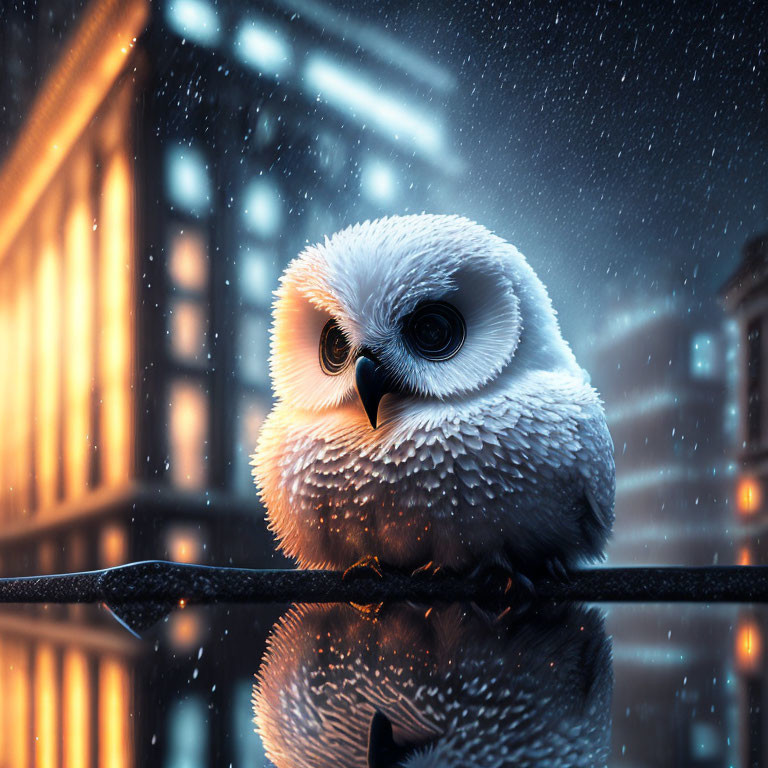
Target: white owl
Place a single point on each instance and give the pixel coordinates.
(428, 410)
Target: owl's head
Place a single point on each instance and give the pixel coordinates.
(420, 307)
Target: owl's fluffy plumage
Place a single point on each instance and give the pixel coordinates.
(459, 690)
(500, 454)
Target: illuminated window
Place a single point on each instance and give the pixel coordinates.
(251, 416)
(19, 683)
(258, 276)
(187, 734)
(113, 545)
(185, 544)
(185, 630)
(745, 556)
(188, 434)
(248, 747)
(703, 360)
(187, 180)
(754, 380)
(188, 330)
(749, 645)
(378, 182)
(364, 100)
(46, 724)
(262, 208)
(253, 349)
(260, 46)
(749, 495)
(195, 20)
(76, 710)
(188, 261)
(115, 715)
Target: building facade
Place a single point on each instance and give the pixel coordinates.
(173, 159)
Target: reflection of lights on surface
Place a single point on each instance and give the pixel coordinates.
(46, 708)
(20, 680)
(262, 48)
(366, 102)
(188, 424)
(749, 646)
(114, 545)
(187, 180)
(193, 19)
(749, 495)
(378, 181)
(187, 733)
(115, 742)
(257, 276)
(115, 274)
(184, 545)
(262, 208)
(187, 321)
(745, 556)
(188, 263)
(76, 725)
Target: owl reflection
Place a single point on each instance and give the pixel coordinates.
(428, 409)
(449, 690)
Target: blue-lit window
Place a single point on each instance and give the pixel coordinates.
(258, 276)
(262, 208)
(187, 180)
(259, 45)
(252, 411)
(195, 20)
(188, 734)
(253, 350)
(248, 748)
(378, 182)
(703, 356)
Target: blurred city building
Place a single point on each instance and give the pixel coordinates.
(664, 367)
(745, 296)
(171, 161)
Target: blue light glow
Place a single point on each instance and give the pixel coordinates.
(367, 103)
(703, 361)
(257, 276)
(262, 208)
(187, 734)
(187, 181)
(378, 182)
(263, 48)
(253, 349)
(193, 19)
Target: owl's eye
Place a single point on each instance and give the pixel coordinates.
(435, 330)
(334, 349)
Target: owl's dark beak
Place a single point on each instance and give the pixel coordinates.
(372, 385)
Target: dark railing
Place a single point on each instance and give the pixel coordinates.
(139, 594)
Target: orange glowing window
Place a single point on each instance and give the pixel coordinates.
(749, 495)
(188, 434)
(46, 724)
(113, 545)
(115, 323)
(188, 330)
(185, 630)
(76, 707)
(745, 556)
(749, 646)
(23, 421)
(78, 337)
(19, 701)
(188, 262)
(185, 545)
(115, 714)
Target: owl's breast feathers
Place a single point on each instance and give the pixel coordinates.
(520, 476)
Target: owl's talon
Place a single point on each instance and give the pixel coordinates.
(363, 567)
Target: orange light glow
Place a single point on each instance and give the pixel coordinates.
(184, 545)
(188, 421)
(188, 262)
(46, 726)
(76, 725)
(19, 701)
(115, 348)
(78, 380)
(5, 402)
(113, 545)
(115, 710)
(749, 646)
(48, 351)
(745, 556)
(749, 495)
(184, 630)
(188, 330)
(23, 420)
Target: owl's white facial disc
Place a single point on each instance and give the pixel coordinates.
(374, 278)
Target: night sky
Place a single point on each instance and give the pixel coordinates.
(620, 145)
